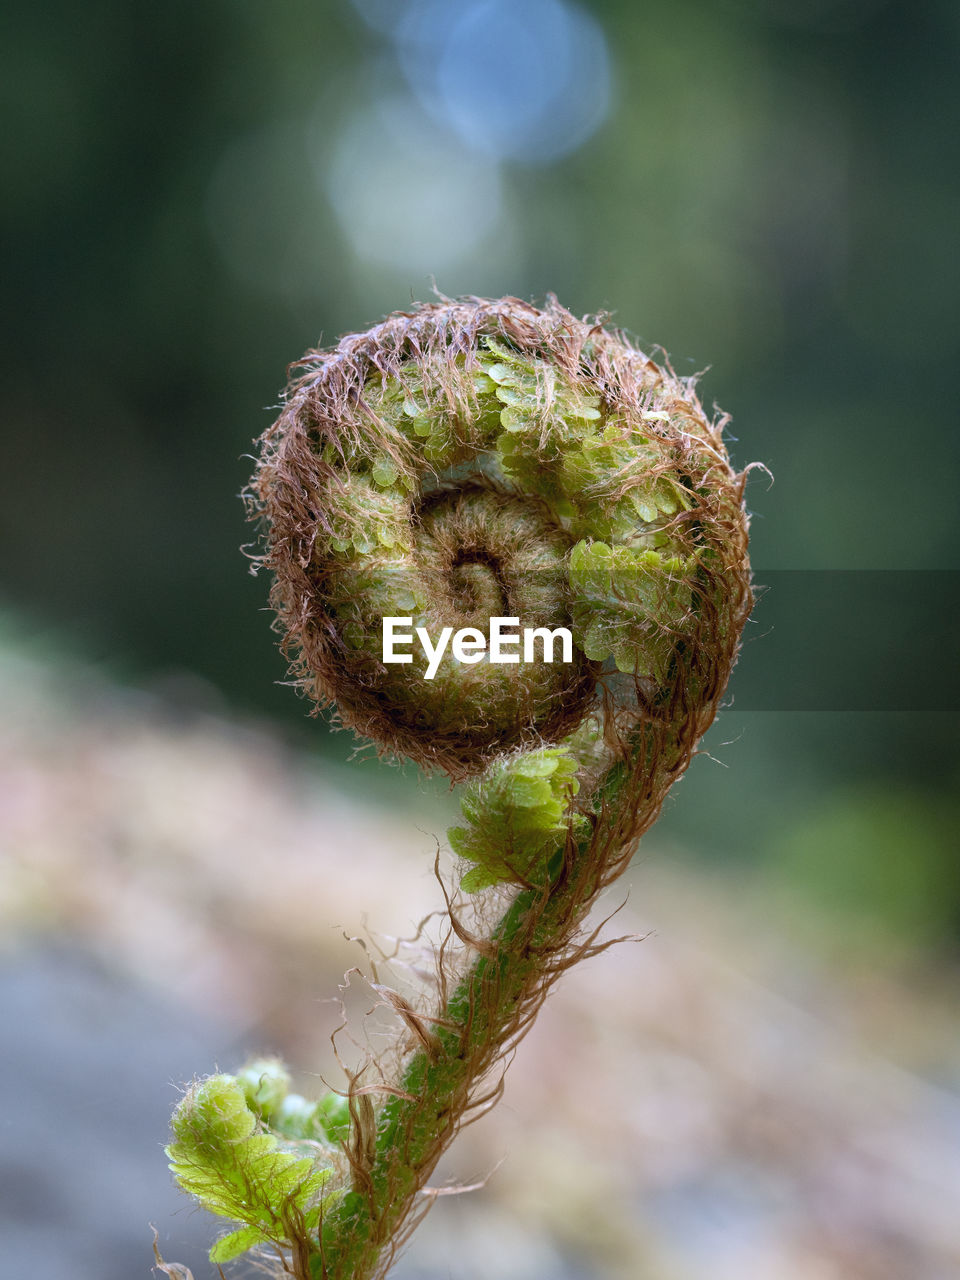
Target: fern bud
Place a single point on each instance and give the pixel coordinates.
(518, 814)
(213, 1114)
(476, 459)
(265, 1083)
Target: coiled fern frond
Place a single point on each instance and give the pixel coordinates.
(461, 462)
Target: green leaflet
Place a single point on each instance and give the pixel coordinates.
(234, 1243)
(369, 516)
(237, 1169)
(616, 482)
(518, 814)
(630, 603)
(532, 393)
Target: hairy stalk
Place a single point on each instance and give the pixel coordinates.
(484, 1018)
(464, 461)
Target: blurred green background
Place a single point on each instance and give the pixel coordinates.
(195, 193)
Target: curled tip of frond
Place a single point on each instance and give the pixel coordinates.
(476, 457)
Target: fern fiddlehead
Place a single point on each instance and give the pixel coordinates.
(462, 462)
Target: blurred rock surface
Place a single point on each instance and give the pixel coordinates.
(711, 1103)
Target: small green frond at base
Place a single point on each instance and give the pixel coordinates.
(238, 1170)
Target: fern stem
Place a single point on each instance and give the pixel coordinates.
(413, 1130)
(487, 1013)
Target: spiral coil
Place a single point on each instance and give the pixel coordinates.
(477, 458)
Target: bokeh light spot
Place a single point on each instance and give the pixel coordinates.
(406, 193)
(527, 82)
